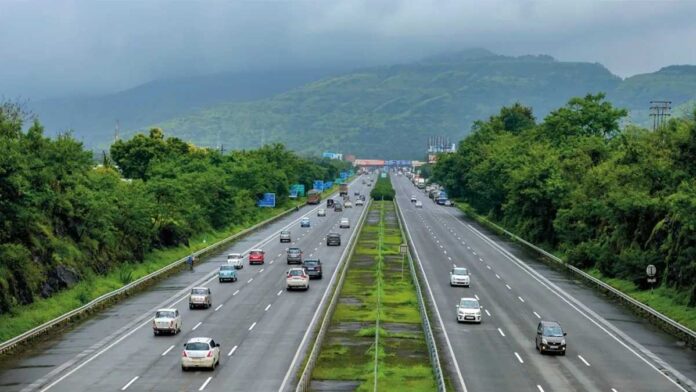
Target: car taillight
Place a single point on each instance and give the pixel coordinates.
(210, 353)
(183, 354)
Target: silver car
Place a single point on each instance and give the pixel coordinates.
(459, 276)
(200, 297)
(469, 310)
(344, 223)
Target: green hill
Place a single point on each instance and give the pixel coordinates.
(391, 111)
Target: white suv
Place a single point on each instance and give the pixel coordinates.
(200, 353)
(459, 276)
(297, 278)
(469, 310)
(344, 224)
(166, 320)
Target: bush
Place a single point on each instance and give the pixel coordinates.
(383, 189)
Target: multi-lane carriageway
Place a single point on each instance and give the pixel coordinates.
(609, 349)
(261, 327)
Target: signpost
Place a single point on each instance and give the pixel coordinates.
(268, 200)
(403, 248)
(651, 271)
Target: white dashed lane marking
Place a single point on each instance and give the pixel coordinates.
(129, 383)
(267, 307)
(232, 351)
(537, 314)
(168, 350)
(583, 360)
(196, 326)
(252, 326)
(519, 358)
(218, 307)
(501, 332)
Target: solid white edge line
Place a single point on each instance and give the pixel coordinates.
(205, 384)
(232, 351)
(195, 327)
(437, 310)
(583, 360)
(519, 358)
(167, 350)
(572, 301)
(129, 383)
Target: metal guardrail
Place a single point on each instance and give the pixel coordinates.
(96, 303)
(306, 375)
(422, 307)
(657, 318)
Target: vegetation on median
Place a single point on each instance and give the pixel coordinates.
(73, 230)
(348, 352)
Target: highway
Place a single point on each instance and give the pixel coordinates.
(609, 349)
(262, 328)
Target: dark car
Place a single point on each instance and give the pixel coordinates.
(550, 338)
(313, 268)
(329, 203)
(356, 193)
(333, 239)
(294, 256)
(338, 207)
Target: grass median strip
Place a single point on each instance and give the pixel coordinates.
(376, 289)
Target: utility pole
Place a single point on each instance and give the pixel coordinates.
(659, 110)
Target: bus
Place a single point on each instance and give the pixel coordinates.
(313, 197)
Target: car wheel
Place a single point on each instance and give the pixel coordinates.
(220, 280)
(155, 332)
(183, 368)
(190, 306)
(563, 353)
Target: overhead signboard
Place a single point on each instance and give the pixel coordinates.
(344, 175)
(299, 189)
(318, 185)
(268, 200)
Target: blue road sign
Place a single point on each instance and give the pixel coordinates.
(268, 200)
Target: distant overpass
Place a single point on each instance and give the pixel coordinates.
(377, 163)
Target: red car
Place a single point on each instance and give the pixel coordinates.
(256, 256)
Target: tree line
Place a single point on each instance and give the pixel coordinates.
(605, 196)
(64, 216)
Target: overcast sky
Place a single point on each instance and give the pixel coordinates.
(56, 47)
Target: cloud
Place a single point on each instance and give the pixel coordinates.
(66, 47)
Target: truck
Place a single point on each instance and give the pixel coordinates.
(313, 197)
(343, 189)
(420, 183)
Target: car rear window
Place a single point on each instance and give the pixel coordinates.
(163, 314)
(296, 272)
(312, 262)
(198, 346)
(294, 251)
(199, 291)
(469, 304)
(256, 253)
(461, 271)
(226, 268)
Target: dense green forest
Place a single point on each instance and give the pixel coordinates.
(64, 217)
(606, 198)
(389, 112)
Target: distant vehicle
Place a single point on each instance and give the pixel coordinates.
(441, 198)
(294, 256)
(330, 203)
(200, 353)
(321, 212)
(550, 338)
(348, 204)
(200, 297)
(420, 183)
(257, 256)
(344, 223)
(313, 197)
(359, 202)
(469, 310)
(343, 189)
(285, 236)
(236, 260)
(448, 203)
(338, 207)
(313, 268)
(166, 321)
(363, 182)
(227, 272)
(419, 204)
(297, 278)
(333, 239)
(356, 193)
(413, 199)
(459, 276)
(304, 222)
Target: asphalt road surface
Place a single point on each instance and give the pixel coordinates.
(609, 349)
(260, 325)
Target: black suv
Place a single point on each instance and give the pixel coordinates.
(294, 256)
(550, 338)
(313, 268)
(333, 239)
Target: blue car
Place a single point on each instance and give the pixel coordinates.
(227, 272)
(304, 222)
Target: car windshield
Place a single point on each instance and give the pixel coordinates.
(553, 331)
(226, 268)
(199, 291)
(294, 250)
(311, 262)
(460, 271)
(295, 272)
(197, 346)
(234, 256)
(164, 314)
(284, 233)
(469, 304)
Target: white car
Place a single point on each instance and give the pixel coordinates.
(344, 223)
(200, 353)
(321, 212)
(469, 310)
(200, 297)
(359, 202)
(419, 204)
(166, 321)
(236, 259)
(348, 204)
(459, 276)
(297, 278)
